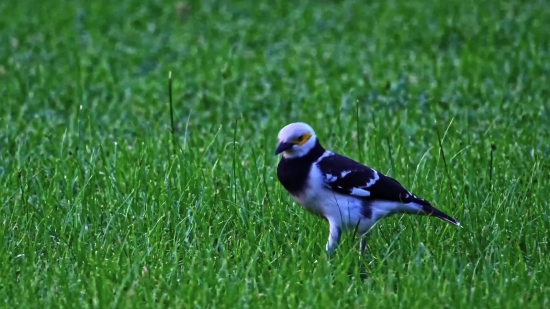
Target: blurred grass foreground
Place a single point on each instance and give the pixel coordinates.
(102, 208)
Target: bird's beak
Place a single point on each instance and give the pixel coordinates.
(283, 146)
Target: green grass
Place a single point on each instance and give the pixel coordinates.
(99, 210)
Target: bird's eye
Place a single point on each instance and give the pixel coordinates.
(300, 140)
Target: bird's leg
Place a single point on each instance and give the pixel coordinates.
(363, 243)
(333, 237)
(362, 246)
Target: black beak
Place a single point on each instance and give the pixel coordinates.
(283, 147)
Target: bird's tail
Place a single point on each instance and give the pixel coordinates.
(432, 211)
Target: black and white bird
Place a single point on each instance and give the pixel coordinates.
(347, 194)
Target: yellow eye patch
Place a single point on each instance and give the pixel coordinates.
(302, 139)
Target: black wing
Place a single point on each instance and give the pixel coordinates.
(347, 176)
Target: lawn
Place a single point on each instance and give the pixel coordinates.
(103, 207)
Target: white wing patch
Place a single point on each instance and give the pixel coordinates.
(374, 180)
(344, 173)
(325, 154)
(330, 178)
(360, 192)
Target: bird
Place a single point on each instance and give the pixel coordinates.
(347, 194)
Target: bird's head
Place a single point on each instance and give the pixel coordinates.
(296, 140)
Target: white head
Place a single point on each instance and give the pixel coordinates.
(296, 140)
